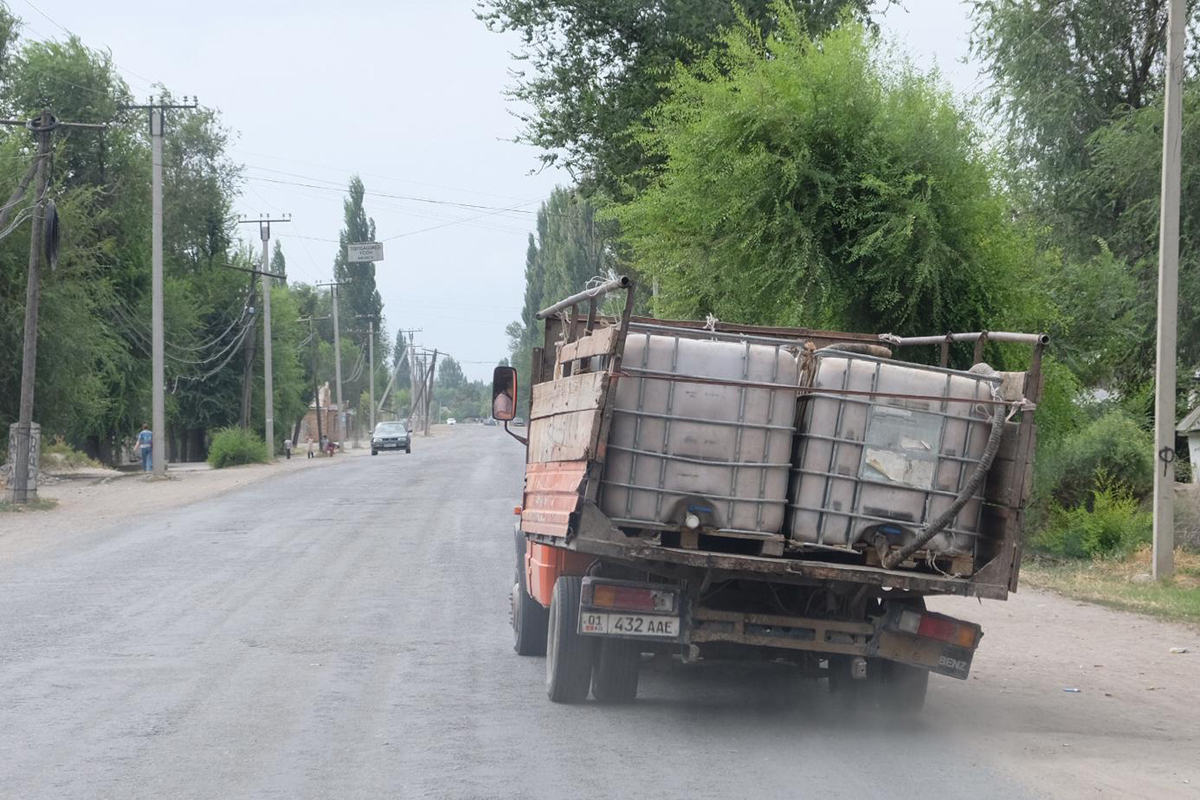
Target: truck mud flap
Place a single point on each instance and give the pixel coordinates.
(930, 641)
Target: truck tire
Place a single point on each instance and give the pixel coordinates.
(568, 655)
(615, 675)
(841, 683)
(529, 617)
(900, 688)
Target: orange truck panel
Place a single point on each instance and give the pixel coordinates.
(543, 565)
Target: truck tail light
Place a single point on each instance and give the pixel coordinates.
(935, 626)
(631, 598)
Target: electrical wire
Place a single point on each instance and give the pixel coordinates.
(219, 367)
(414, 198)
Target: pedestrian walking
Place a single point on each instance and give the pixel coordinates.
(145, 443)
(287, 448)
(311, 454)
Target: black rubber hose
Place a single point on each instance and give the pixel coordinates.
(968, 491)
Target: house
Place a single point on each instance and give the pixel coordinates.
(1189, 426)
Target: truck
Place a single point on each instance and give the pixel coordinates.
(702, 490)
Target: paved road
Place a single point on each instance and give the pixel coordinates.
(343, 633)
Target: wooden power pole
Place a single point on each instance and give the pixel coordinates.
(26, 447)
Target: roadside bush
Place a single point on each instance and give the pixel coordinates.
(232, 446)
(1112, 525)
(59, 453)
(1113, 445)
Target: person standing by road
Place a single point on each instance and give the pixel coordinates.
(287, 448)
(311, 454)
(145, 443)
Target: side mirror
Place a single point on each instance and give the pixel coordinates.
(504, 393)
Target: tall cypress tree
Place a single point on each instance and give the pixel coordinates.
(359, 298)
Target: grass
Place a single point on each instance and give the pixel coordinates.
(60, 454)
(41, 504)
(1122, 583)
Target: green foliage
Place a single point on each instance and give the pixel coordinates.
(571, 247)
(59, 453)
(457, 397)
(1111, 524)
(1114, 445)
(1058, 413)
(93, 375)
(820, 184)
(233, 446)
(1061, 71)
(594, 67)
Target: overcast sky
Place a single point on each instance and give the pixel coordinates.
(406, 93)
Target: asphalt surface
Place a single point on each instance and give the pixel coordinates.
(343, 633)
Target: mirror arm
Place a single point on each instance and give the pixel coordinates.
(520, 439)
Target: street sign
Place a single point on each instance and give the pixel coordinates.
(364, 251)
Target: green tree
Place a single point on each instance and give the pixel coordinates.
(359, 298)
(592, 68)
(278, 261)
(822, 184)
(1061, 71)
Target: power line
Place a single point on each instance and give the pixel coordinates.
(413, 198)
(347, 171)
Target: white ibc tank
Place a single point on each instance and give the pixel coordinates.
(720, 452)
(885, 464)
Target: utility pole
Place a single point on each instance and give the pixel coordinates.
(429, 389)
(264, 231)
(396, 368)
(417, 378)
(337, 362)
(371, 367)
(158, 416)
(1168, 300)
(312, 338)
(26, 447)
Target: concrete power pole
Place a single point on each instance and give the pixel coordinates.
(337, 363)
(429, 389)
(25, 448)
(158, 419)
(264, 232)
(158, 416)
(1168, 299)
(371, 367)
(20, 492)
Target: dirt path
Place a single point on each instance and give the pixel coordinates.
(1132, 729)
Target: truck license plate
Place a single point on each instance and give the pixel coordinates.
(628, 624)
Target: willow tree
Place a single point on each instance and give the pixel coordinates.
(821, 183)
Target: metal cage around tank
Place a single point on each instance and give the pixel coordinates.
(754, 441)
(840, 526)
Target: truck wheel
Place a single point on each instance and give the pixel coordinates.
(529, 617)
(615, 676)
(568, 655)
(841, 683)
(900, 688)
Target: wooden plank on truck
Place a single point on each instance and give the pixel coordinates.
(583, 392)
(564, 437)
(601, 342)
(566, 417)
